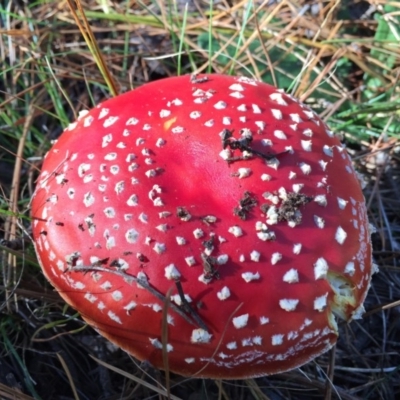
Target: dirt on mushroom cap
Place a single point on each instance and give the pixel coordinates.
(222, 184)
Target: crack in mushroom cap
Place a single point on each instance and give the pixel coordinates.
(124, 200)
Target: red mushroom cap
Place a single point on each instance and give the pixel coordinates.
(222, 193)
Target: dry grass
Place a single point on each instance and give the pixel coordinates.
(342, 57)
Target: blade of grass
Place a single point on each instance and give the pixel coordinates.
(155, 389)
(91, 42)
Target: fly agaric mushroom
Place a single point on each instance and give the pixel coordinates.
(221, 193)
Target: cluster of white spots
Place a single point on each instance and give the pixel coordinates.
(176, 298)
(320, 268)
(154, 306)
(248, 81)
(171, 272)
(289, 276)
(250, 276)
(240, 321)
(288, 304)
(224, 293)
(256, 340)
(158, 345)
(200, 336)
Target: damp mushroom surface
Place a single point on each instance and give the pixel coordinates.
(217, 208)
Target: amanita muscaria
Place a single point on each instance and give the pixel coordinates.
(221, 193)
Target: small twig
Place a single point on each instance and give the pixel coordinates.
(131, 278)
(188, 308)
(243, 144)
